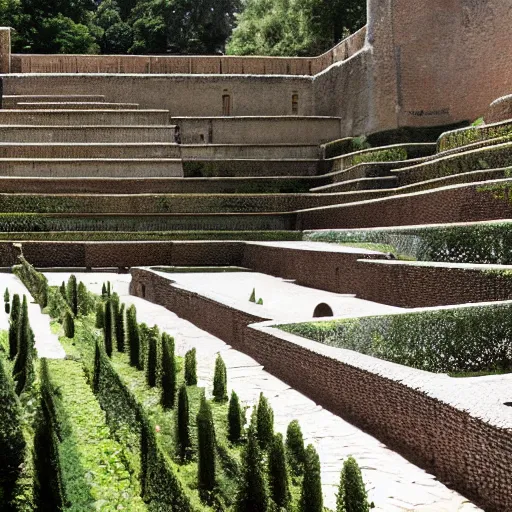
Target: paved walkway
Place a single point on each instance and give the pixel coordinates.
(394, 484)
(47, 344)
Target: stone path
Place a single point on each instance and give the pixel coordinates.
(47, 344)
(394, 484)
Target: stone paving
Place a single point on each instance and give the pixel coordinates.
(47, 344)
(394, 484)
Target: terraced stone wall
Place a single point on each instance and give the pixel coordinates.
(473, 456)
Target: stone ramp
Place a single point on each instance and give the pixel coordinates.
(12, 100)
(70, 105)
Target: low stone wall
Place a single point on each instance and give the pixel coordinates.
(386, 400)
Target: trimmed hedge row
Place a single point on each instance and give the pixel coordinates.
(473, 134)
(36, 283)
(489, 243)
(91, 469)
(467, 339)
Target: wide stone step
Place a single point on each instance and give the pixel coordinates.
(249, 151)
(76, 106)
(258, 130)
(379, 183)
(99, 133)
(11, 100)
(91, 167)
(89, 150)
(84, 117)
(250, 167)
(141, 222)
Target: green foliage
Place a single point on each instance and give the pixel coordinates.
(100, 315)
(478, 132)
(90, 465)
(252, 298)
(14, 326)
(104, 291)
(182, 425)
(278, 473)
(133, 336)
(352, 495)
(295, 450)
(265, 423)
(36, 282)
(169, 382)
(7, 301)
(191, 368)
(205, 450)
(235, 419)
(311, 499)
(294, 27)
(23, 370)
(440, 341)
(69, 325)
(12, 443)
(345, 146)
(220, 380)
(72, 294)
(85, 300)
(108, 326)
(152, 370)
(63, 291)
(252, 494)
(260, 302)
(119, 328)
(383, 155)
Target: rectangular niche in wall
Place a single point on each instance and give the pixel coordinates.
(295, 103)
(226, 104)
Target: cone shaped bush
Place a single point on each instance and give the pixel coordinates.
(120, 330)
(69, 325)
(63, 291)
(100, 315)
(132, 335)
(352, 496)
(12, 443)
(169, 383)
(144, 341)
(205, 449)
(13, 326)
(85, 301)
(252, 494)
(235, 419)
(7, 301)
(107, 329)
(295, 450)
(265, 422)
(311, 499)
(23, 370)
(278, 473)
(252, 298)
(72, 294)
(151, 371)
(104, 291)
(191, 368)
(220, 380)
(182, 425)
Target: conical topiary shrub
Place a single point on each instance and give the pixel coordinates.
(72, 294)
(352, 496)
(132, 335)
(13, 326)
(169, 383)
(69, 325)
(182, 425)
(220, 380)
(295, 449)
(265, 422)
(252, 298)
(7, 301)
(205, 450)
(278, 473)
(191, 368)
(311, 499)
(100, 315)
(235, 419)
(23, 370)
(120, 329)
(85, 301)
(107, 329)
(151, 371)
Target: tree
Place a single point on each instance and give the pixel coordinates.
(120, 330)
(278, 473)
(72, 294)
(252, 495)
(12, 443)
(23, 370)
(311, 499)
(191, 367)
(295, 447)
(168, 372)
(352, 496)
(85, 301)
(235, 419)
(100, 315)
(265, 422)
(151, 372)
(133, 336)
(206, 450)
(69, 325)
(7, 301)
(13, 326)
(182, 425)
(220, 380)
(107, 328)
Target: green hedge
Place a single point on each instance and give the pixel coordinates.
(382, 155)
(489, 243)
(468, 339)
(36, 283)
(345, 146)
(474, 134)
(91, 469)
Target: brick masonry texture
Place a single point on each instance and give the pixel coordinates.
(474, 456)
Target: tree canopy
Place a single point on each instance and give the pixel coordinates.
(266, 27)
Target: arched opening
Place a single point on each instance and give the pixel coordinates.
(322, 310)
